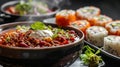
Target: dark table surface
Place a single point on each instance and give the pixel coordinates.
(110, 8)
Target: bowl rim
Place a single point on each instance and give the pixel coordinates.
(14, 2)
(43, 48)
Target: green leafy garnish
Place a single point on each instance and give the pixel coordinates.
(56, 32)
(23, 7)
(38, 26)
(67, 35)
(54, 36)
(90, 56)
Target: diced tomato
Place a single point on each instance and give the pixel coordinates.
(72, 39)
(65, 42)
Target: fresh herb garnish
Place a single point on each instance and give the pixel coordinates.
(23, 7)
(90, 56)
(38, 26)
(54, 36)
(56, 32)
(67, 35)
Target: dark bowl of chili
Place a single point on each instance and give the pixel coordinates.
(42, 54)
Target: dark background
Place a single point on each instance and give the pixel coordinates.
(110, 8)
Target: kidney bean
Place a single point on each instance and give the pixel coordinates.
(22, 44)
(61, 39)
(42, 43)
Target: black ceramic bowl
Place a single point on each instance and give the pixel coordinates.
(43, 55)
(12, 17)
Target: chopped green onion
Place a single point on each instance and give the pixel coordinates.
(90, 56)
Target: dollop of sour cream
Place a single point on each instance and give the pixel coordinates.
(41, 34)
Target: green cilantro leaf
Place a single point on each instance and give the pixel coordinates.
(38, 26)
